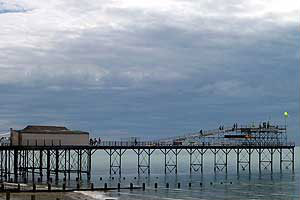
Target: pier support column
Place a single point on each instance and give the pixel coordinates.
(171, 159)
(22, 164)
(220, 159)
(1, 163)
(196, 159)
(27, 163)
(293, 159)
(9, 164)
(287, 158)
(265, 159)
(143, 160)
(48, 164)
(79, 169)
(65, 164)
(243, 158)
(56, 165)
(33, 162)
(16, 171)
(89, 162)
(115, 160)
(41, 164)
(5, 164)
(69, 164)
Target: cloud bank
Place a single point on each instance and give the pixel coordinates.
(176, 60)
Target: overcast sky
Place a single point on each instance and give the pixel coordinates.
(148, 68)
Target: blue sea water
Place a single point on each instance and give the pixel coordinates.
(209, 185)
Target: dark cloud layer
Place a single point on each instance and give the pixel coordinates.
(148, 75)
(11, 8)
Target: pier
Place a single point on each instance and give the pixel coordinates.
(36, 162)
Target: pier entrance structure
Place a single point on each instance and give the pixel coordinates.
(33, 161)
(48, 136)
(36, 152)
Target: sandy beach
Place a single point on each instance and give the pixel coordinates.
(56, 196)
(74, 195)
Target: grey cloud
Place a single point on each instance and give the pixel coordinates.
(151, 76)
(3, 11)
(12, 8)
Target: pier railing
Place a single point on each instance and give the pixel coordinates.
(170, 144)
(158, 144)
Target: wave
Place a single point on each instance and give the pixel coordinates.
(95, 195)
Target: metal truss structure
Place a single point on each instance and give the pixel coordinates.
(243, 135)
(196, 159)
(35, 163)
(243, 159)
(143, 160)
(287, 159)
(220, 159)
(42, 163)
(115, 160)
(171, 159)
(265, 159)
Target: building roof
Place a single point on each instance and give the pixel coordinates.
(33, 129)
(44, 128)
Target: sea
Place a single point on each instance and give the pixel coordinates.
(209, 185)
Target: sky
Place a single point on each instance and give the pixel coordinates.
(151, 69)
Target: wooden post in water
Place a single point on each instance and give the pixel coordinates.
(7, 195)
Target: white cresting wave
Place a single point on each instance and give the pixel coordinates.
(96, 195)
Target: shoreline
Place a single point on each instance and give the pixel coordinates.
(42, 193)
(75, 195)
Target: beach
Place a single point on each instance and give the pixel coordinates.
(57, 196)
